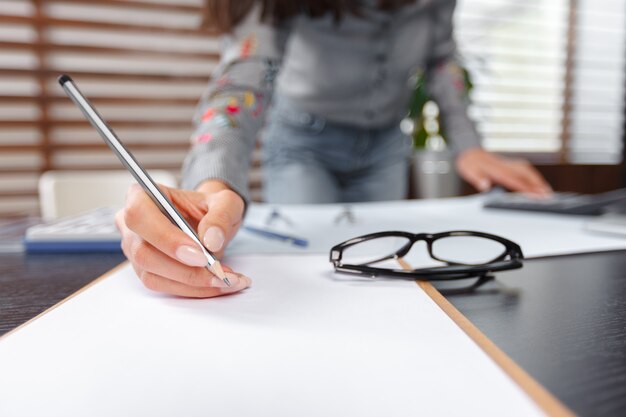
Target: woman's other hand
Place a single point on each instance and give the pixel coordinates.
(484, 169)
(164, 257)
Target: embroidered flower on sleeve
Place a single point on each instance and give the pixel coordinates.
(248, 46)
(233, 106)
(208, 114)
(202, 138)
(456, 72)
(248, 99)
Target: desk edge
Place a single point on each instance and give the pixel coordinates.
(537, 392)
(66, 299)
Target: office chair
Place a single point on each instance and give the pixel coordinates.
(67, 193)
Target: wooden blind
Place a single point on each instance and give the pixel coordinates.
(143, 63)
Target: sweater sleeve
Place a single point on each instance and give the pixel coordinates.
(445, 82)
(232, 108)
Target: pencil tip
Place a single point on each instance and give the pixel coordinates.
(217, 270)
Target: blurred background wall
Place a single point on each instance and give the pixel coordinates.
(548, 74)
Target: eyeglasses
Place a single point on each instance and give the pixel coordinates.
(465, 254)
(346, 215)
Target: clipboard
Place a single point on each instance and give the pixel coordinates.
(539, 395)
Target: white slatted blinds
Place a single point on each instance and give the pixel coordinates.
(597, 117)
(531, 95)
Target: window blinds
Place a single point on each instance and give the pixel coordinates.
(598, 96)
(548, 74)
(542, 84)
(143, 63)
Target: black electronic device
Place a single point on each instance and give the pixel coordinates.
(561, 203)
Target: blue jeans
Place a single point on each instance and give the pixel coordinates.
(307, 159)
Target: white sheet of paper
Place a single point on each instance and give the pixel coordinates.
(301, 342)
(538, 234)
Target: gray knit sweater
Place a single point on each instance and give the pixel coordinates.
(360, 71)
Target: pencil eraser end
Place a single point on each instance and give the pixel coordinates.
(64, 78)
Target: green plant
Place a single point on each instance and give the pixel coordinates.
(416, 120)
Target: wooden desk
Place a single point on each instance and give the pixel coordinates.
(562, 319)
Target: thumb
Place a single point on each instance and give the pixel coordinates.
(223, 218)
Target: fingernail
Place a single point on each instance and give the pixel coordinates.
(191, 256)
(244, 281)
(214, 239)
(483, 185)
(248, 281)
(238, 282)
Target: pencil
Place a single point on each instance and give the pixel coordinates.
(140, 174)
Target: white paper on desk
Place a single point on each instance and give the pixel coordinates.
(538, 234)
(301, 342)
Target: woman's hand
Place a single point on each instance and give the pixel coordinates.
(483, 170)
(164, 257)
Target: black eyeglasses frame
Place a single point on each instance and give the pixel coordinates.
(450, 271)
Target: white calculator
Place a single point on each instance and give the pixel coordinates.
(93, 231)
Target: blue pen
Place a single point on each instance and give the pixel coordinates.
(297, 241)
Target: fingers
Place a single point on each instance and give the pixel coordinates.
(509, 177)
(223, 218)
(143, 217)
(163, 257)
(519, 176)
(162, 284)
(470, 168)
(535, 181)
(146, 257)
(482, 170)
(476, 178)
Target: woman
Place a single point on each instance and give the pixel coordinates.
(347, 69)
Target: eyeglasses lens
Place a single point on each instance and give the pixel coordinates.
(468, 250)
(373, 250)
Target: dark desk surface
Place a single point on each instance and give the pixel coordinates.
(29, 284)
(561, 319)
(564, 321)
